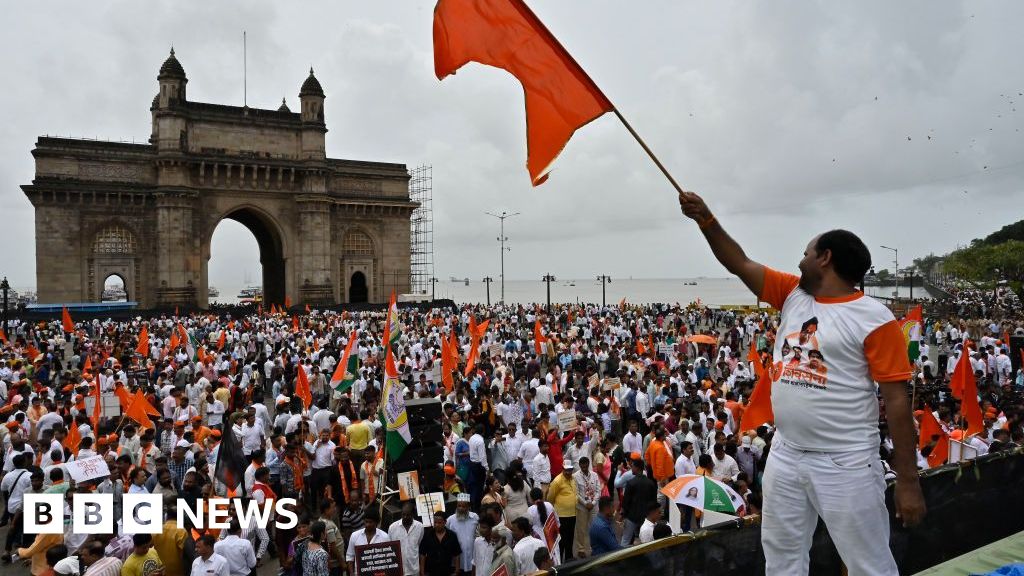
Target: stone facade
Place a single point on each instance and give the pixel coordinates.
(328, 229)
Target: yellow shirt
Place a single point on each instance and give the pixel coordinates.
(358, 435)
(170, 545)
(37, 551)
(146, 565)
(562, 495)
(222, 394)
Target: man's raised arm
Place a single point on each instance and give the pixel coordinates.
(725, 249)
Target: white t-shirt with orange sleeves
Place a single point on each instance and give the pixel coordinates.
(829, 353)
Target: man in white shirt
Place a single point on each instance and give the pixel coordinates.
(588, 490)
(725, 466)
(238, 552)
(408, 531)
(652, 519)
(632, 441)
(208, 562)
(478, 466)
(542, 467)
(253, 436)
(370, 534)
(684, 463)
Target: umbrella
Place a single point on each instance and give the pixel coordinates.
(703, 493)
(702, 339)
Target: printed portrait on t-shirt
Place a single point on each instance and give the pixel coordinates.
(802, 359)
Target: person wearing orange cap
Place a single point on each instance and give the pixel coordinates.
(824, 460)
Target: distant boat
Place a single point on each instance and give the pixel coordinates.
(251, 293)
(689, 283)
(213, 292)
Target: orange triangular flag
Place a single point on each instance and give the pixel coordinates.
(963, 387)
(142, 349)
(307, 308)
(560, 97)
(73, 438)
(759, 408)
(931, 431)
(123, 397)
(474, 344)
(3, 336)
(97, 408)
(449, 361)
(641, 350)
(137, 410)
(302, 386)
(88, 364)
(295, 324)
(538, 338)
(65, 320)
(755, 358)
(287, 301)
(173, 342)
(221, 340)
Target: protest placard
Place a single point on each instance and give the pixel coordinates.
(87, 469)
(408, 485)
(380, 559)
(427, 504)
(567, 421)
(612, 384)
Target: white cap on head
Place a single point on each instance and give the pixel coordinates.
(462, 497)
(567, 465)
(745, 441)
(183, 444)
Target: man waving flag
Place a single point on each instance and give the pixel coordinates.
(345, 373)
(394, 329)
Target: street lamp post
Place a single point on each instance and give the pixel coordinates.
(896, 263)
(487, 280)
(433, 288)
(549, 279)
(604, 279)
(4, 286)
(502, 239)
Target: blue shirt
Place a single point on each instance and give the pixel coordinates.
(602, 536)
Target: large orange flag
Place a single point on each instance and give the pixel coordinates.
(931, 431)
(65, 320)
(506, 34)
(221, 340)
(142, 349)
(759, 408)
(538, 338)
(965, 388)
(139, 410)
(302, 386)
(3, 336)
(449, 360)
(73, 438)
(97, 407)
(476, 333)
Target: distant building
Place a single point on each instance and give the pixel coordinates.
(329, 230)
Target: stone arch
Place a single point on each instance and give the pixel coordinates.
(114, 249)
(273, 243)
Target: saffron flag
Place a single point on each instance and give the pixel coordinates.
(221, 340)
(449, 361)
(287, 301)
(3, 336)
(345, 373)
(911, 326)
(392, 411)
(506, 34)
(139, 410)
(65, 320)
(641, 350)
(142, 349)
(759, 408)
(965, 388)
(172, 342)
(307, 308)
(97, 407)
(123, 397)
(932, 432)
(538, 338)
(72, 439)
(88, 364)
(302, 386)
(476, 332)
(295, 324)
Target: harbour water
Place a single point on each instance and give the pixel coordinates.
(713, 291)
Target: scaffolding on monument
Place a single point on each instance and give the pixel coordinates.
(421, 234)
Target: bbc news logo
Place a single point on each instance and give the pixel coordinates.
(144, 513)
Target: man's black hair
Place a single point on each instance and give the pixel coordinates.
(850, 257)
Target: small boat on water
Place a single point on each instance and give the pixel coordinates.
(251, 293)
(212, 292)
(113, 294)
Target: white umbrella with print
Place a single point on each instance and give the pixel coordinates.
(704, 493)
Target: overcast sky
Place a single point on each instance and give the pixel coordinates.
(895, 120)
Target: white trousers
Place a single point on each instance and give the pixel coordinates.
(846, 489)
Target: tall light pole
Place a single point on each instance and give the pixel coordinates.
(433, 286)
(549, 279)
(604, 279)
(896, 262)
(487, 280)
(502, 239)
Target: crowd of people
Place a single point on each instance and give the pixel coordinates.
(658, 392)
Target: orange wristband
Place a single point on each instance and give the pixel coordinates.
(704, 224)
